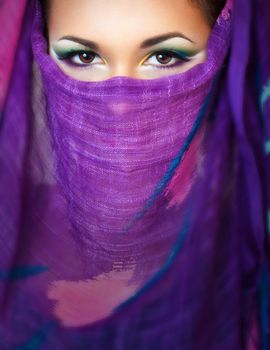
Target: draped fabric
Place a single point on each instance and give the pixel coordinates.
(135, 214)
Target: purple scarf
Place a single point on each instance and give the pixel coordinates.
(134, 212)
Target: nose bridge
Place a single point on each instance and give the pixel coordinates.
(123, 56)
(124, 62)
(123, 69)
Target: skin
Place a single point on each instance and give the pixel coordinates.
(119, 27)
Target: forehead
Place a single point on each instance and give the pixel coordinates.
(126, 19)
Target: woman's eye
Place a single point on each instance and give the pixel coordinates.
(168, 59)
(84, 58)
(80, 58)
(160, 59)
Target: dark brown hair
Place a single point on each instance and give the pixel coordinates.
(211, 8)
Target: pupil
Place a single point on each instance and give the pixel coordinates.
(86, 57)
(163, 58)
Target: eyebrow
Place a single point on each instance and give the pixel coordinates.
(159, 38)
(89, 43)
(145, 44)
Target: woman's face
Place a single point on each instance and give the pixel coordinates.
(93, 40)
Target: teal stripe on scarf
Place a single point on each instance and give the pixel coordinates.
(38, 340)
(21, 272)
(176, 161)
(265, 94)
(166, 266)
(267, 147)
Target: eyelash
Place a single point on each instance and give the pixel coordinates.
(183, 57)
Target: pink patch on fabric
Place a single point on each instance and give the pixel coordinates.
(80, 303)
(226, 13)
(184, 177)
(9, 39)
(120, 107)
(254, 342)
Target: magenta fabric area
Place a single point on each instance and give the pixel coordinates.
(9, 37)
(135, 214)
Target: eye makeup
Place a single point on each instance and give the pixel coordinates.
(69, 53)
(183, 56)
